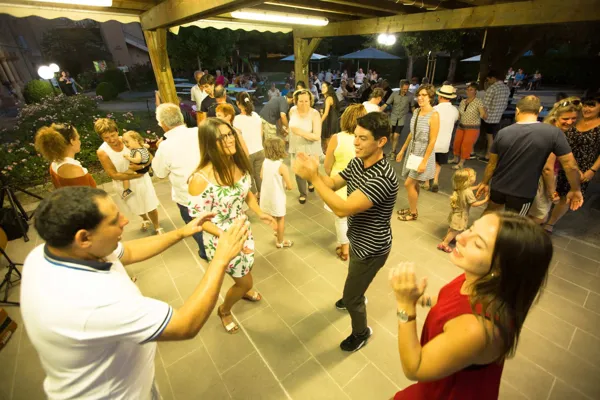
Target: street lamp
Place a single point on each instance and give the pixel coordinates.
(47, 72)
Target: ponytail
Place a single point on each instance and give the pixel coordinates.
(245, 102)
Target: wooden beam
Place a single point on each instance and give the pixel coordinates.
(536, 12)
(303, 50)
(294, 10)
(377, 5)
(422, 4)
(176, 12)
(157, 47)
(317, 5)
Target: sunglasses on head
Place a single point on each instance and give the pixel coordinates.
(575, 102)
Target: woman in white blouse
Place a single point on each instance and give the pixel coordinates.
(250, 124)
(305, 133)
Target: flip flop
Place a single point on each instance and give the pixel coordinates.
(284, 244)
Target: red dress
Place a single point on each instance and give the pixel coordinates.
(58, 181)
(477, 382)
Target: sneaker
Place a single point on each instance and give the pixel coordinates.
(355, 342)
(341, 306)
(473, 156)
(484, 159)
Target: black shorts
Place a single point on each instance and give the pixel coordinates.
(441, 158)
(520, 205)
(397, 129)
(491, 129)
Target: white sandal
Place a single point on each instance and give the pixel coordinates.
(159, 231)
(285, 243)
(146, 225)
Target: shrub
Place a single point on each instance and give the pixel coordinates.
(20, 162)
(141, 75)
(107, 91)
(116, 78)
(88, 80)
(36, 89)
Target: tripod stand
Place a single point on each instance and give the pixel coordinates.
(8, 190)
(12, 268)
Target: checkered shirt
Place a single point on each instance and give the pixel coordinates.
(496, 101)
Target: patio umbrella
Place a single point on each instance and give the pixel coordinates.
(369, 54)
(478, 57)
(314, 57)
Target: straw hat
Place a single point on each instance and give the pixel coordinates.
(447, 91)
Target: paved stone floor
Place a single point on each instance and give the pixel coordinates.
(288, 344)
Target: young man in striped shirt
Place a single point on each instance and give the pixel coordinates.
(372, 190)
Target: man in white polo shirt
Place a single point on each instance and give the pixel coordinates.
(177, 156)
(93, 330)
(448, 117)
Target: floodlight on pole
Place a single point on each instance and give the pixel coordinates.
(386, 40)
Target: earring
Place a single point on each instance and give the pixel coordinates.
(493, 274)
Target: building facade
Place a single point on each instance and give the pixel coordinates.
(21, 46)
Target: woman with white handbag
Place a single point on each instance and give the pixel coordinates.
(419, 165)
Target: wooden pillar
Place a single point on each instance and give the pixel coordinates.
(303, 49)
(157, 46)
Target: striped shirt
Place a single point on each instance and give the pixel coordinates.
(370, 232)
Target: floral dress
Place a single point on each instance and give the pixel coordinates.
(226, 202)
(586, 150)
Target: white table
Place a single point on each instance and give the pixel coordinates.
(239, 90)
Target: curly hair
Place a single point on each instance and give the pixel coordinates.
(226, 109)
(275, 149)
(300, 92)
(52, 141)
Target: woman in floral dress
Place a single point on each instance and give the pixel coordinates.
(221, 185)
(584, 139)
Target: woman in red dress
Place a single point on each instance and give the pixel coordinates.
(475, 321)
(58, 144)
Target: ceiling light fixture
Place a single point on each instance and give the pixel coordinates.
(386, 40)
(91, 3)
(282, 18)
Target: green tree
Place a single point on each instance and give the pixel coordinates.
(75, 48)
(207, 48)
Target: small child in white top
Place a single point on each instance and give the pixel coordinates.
(461, 201)
(139, 154)
(276, 180)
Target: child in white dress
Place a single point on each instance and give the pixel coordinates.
(461, 201)
(276, 180)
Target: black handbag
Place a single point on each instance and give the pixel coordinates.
(12, 223)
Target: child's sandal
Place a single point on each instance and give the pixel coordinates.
(403, 211)
(285, 243)
(409, 217)
(444, 248)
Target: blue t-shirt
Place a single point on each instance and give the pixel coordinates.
(522, 151)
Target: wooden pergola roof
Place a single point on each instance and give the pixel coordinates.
(347, 17)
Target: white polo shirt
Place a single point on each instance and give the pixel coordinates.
(91, 326)
(178, 157)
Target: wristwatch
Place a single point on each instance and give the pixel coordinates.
(404, 317)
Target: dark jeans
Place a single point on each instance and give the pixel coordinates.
(185, 216)
(360, 276)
